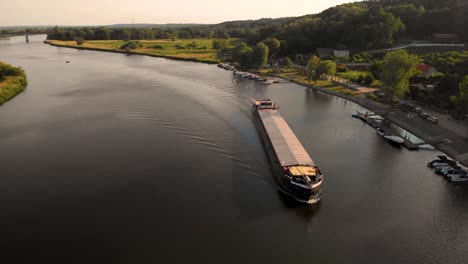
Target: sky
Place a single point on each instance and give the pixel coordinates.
(106, 12)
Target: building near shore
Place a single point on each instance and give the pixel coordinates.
(341, 53)
(426, 70)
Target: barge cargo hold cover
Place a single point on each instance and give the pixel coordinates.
(295, 171)
(287, 147)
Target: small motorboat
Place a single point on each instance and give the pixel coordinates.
(381, 132)
(268, 82)
(440, 162)
(394, 139)
(452, 170)
(458, 176)
(389, 137)
(444, 170)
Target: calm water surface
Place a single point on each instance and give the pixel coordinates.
(133, 159)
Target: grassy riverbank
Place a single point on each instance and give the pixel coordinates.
(12, 81)
(199, 50)
(292, 74)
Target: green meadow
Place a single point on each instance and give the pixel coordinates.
(200, 50)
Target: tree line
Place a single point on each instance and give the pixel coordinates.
(105, 33)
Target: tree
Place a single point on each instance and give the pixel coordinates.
(260, 54)
(219, 44)
(273, 44)
(461, 100)
(242, 54)
(102, 34)
(398, 66)
(312, 65)
(327, 67)
(376, 68)
(131, 45)
(287, 62)
(79, 41)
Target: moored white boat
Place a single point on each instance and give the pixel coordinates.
(389, 137)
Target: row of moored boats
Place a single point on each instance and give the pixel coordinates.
(393, 139)
(450, 169)
(246, 75)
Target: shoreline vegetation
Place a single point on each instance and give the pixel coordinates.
(12, 81)
(196, 50)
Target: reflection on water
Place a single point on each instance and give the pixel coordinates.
(135, 158)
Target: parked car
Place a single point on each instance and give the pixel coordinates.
(433, 119)
(412, 108)
(424, 115)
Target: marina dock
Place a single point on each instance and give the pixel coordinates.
(373, 122)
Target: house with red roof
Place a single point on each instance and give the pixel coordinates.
(426, 70)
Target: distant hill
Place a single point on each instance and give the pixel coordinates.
(163, 26)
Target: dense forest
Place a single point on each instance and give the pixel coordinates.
(356, 26)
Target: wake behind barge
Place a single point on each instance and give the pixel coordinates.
(294, 170)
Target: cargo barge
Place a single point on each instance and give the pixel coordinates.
(294, 170)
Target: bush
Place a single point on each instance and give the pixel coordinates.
(192, 45)
(203, 48)
(360, 79)
(287, 62)
(341, 68)
(368, 80)
(8, 70)
(131, 45)
(156, 47)
(79, 41)
(179, 47)
(372, 96)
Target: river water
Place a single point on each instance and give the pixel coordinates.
(133, 159)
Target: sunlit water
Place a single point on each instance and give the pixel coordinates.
(133, 159)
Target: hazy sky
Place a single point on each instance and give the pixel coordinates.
(102, 12)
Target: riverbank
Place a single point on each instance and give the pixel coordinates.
(196, 50)
(444, 140)
(12, 81)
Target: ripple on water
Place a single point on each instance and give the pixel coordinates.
(196, 133)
